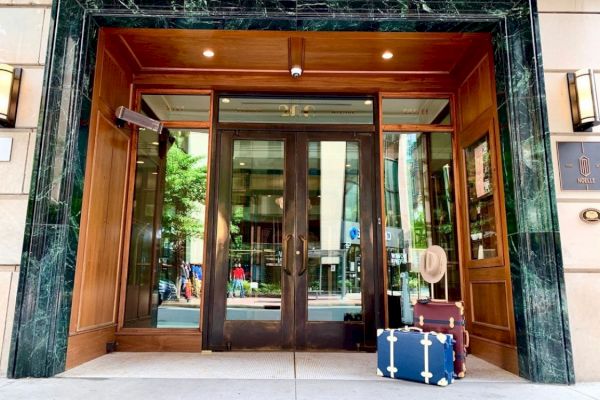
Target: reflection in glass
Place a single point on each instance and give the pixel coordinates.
(419, 212)
(480, 192)
(296, 110)
(255, 246)
(416, 111)
(164, 280)
(176, 107)
(334, 255)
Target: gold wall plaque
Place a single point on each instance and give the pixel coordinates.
(590, 215)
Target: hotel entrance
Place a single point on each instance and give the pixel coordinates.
(295, 225)
(288, 211)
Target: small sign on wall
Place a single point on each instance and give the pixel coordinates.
(579, 165)
(5, 148)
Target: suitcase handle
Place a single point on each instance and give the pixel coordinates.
(411, 328)
(467, 339)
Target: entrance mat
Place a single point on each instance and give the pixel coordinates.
(258, 365)
(231, 365)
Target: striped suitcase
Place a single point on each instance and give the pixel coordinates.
(414, 355)
(446, 317)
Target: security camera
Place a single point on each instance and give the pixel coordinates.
(124, 115)
(296, 72)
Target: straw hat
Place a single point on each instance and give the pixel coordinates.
(434, 264)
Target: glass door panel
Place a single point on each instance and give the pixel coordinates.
(166, 254)
(291, 264)
(334, 253)
(481, 203)
(419, 212)
(255, 256)
(335, 283)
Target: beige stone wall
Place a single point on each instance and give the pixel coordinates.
(570, 31)
(23, 41)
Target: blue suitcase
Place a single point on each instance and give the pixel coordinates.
(414, 355)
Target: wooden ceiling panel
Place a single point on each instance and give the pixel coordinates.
(182, 50)
(355, 53)
(364, 55)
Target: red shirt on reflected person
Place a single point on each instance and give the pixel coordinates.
(238, 273)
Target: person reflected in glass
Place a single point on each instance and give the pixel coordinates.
(238, 275)
(184, 274)
(197, 279)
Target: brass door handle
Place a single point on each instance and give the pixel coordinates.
(284, 261)
(304, 254)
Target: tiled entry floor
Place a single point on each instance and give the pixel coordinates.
(257, 365)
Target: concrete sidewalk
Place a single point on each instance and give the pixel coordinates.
(272, 389)
(271, 376)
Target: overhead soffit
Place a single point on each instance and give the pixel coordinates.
(172, 50)
(168, 107)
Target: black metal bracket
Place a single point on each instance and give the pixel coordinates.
(111, 347)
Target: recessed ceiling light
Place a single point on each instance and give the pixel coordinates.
(155, 143)
(242, 164)
(140, 162)
(225, 100)
(368, 102)
(155, 173)
(387, 55)
(348, 165)
(208, 53)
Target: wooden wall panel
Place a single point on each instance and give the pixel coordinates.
(99, 278)
(97, 273)
(490, 308)
(486, 287)
(180, 342)
(83, 348)
(475, 94)
(116, 78)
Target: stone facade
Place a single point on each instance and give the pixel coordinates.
(568, 31)
(24, 27)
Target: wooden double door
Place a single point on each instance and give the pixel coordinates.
(294, 264)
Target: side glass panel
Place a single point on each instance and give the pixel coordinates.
(416, 111)
(296, 110)
(419, 212)
(176, 107)
(481, 207)
(164, 280)
(334, 254)
(255, 246)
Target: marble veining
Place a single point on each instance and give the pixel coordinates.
(46, 279)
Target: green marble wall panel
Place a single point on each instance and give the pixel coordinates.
(46, 282)
(41, 318)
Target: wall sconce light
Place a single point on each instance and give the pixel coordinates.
(584, 100)
(10, 84)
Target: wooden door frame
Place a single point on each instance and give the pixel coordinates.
(205, 329)
(334, 333)
(503, 354)
(411, 128)
(167, 339)
(221, 335)
(221, 330)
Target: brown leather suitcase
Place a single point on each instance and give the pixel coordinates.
(445, 317)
